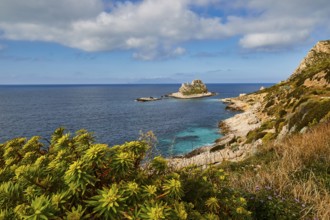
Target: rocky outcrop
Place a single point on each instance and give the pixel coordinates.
(318, 80)
(147, 99)
(318, 53)
(195, 89)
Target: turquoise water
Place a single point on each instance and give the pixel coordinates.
(188, 139)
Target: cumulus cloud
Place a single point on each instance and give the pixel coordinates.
(279, 24)
(156, 28)
(272, 41)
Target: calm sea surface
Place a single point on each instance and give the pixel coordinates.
(112, 114)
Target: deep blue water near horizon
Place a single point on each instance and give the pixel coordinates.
(112, 114)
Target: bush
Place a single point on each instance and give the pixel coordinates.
(309, 112)
(75, 178)
(268, 137)
(266, 203)
(254, 135)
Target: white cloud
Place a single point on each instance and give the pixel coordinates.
(279, 24)
(156, 28)
(150, 28)
(272, 41)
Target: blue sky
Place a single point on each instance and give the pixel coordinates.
(156, 41)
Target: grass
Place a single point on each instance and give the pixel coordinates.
(298, 167)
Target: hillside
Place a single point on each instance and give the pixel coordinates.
(289, 179)
(286, 130)
(291, 106)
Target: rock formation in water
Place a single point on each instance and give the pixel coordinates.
(193, 88)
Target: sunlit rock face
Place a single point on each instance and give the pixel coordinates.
(319, 53)
(195, 87)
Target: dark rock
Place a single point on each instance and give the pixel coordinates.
(218, 147)
(196, 152)
(147, 99)
(224, 127)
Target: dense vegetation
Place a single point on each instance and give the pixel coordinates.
(74, 178)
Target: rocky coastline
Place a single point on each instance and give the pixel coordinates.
(232, 146)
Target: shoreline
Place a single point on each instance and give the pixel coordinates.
(179, 95)
(232, 145)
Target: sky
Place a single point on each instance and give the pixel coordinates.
(157, 41)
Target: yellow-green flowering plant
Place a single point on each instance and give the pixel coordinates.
(72, 177)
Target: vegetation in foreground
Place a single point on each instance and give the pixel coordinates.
(74, 178)
(287, 180)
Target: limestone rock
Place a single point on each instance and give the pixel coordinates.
(321, 49)
(195, 87)
(318, 80)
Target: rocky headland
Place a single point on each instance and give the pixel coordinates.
(271, 114)
(195, 89)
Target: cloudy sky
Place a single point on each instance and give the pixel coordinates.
(156, 41)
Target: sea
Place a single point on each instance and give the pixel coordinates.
(113, 115)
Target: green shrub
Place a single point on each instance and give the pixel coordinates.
(254, 135)
(267, 125)
(266, 203)
(268, 137)
(309, 112)
(75, 178)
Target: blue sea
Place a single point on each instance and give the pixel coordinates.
(112, 114)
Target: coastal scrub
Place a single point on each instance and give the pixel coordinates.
(72, 177)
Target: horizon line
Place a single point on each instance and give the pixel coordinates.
(104, 84)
